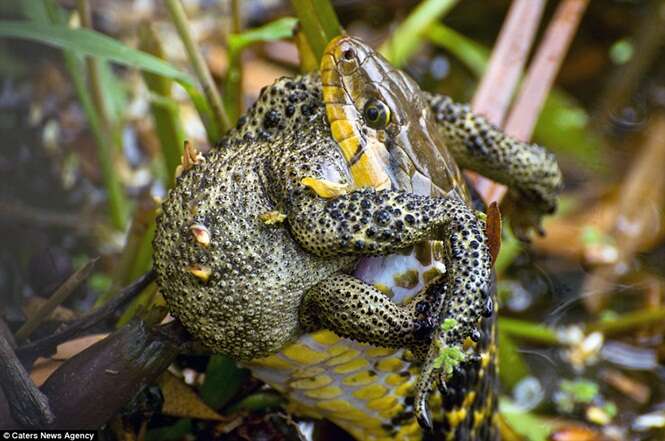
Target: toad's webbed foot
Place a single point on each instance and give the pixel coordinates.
(526, 214)
(530, 171)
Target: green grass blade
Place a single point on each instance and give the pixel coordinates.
(407, 37)
(275, 30)
(117, 202)
(166, 117)
(91, 43)
(219, 122)
(222, 381)
(473, 55)
(319, 23)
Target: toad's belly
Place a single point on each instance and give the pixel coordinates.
(368, 390)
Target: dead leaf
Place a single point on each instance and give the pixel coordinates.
(181, 401)
(493, 230)
(44, 367)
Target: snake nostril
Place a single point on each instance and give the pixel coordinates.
(348, 54)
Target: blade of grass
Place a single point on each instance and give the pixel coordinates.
(319, 23)
(233, 83)
(524, 330)
(88, 42)
(512, 368)
(136, 255)
(474, 55)
(179, 18)
(105, 150)
(308, 61)
(628, 322)
(166, 118)
(222, 382)
(237, 43)
(407, 37)
(117, 203)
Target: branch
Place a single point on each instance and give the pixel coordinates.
(27, 405)
(86, 322)
(509, 55)
(67, 288)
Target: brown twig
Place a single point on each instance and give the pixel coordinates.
(62, 293)
(538, 81)
(115, 369)
(17, 212)
(86, 322)
(544, 68)
(507, 61)
(27, 405)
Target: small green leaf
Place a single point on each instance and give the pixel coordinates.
(407, 37)
(177, 431)
(258, 402)
(525, 423)
(275, 30)
(222, 381)
(582, 391)
(610, 409)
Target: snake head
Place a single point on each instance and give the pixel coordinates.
(383, 124)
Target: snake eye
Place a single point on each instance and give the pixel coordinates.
(377, 114)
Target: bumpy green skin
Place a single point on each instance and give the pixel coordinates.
(270, 283)
(260, 274)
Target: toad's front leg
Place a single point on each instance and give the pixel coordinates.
(382, 222)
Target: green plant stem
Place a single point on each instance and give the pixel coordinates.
(407, 37)
(628, 322)
(512, 368)
(201, 70)
(167, 119)
(116, 199)
(524, 330)
(319, 23)
(233, 97)
(136, 255)
(473, 55)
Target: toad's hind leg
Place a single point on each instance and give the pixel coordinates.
(351, 308)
